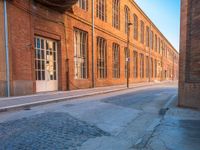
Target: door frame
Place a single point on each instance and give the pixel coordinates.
(45, 50)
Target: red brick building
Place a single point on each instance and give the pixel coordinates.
(189, 81)
(70, 45)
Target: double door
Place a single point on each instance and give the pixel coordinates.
(46, 71)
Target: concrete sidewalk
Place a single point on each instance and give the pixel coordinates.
(24, 102)
(179, 130)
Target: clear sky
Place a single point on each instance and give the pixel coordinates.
(165, 14)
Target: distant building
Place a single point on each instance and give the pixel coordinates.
(189, 81)
(57, 47)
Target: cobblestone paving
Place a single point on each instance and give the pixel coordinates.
(46, 131)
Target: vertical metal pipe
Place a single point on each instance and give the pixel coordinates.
(93, 75)
(128, 55)
(7, 49)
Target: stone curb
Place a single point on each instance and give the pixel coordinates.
(56, 100)
(165, 108)
(42, 102)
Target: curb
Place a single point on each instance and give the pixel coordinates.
(27, 106)
(165, 108)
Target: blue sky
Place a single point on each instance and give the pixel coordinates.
(165, 14)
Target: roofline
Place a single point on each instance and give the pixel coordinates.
(145, 15)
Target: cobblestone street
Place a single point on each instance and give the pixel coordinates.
(46, 131)
(122, 120)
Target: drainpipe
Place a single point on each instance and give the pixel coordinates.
(150, 65)
(7, 49)
(93, 76)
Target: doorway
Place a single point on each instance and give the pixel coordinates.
(46, 66)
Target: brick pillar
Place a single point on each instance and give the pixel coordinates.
(189, 80)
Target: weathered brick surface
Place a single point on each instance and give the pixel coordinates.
(189, 81)
(25, 21)
(27, 18)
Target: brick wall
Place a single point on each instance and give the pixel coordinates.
(29, 18)
(82, 19)
(25, 21)
(189, 81)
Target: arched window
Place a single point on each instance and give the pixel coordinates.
(116, 61)
(127, 18)
(135, 25)
(101, 58)
(83, 4)
(101, 9)
(116, 14)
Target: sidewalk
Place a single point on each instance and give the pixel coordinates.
(22, 102)
(179, 130)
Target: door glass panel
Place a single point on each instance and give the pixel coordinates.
(42, 53)
(38, 43)
(42, 44)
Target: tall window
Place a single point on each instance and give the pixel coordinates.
(116, 61)
(151, 39)
(135, 20)
(127, 16)
(135, 64)
(161, 49)
(147, 66)
(147, 36)
(156, 43)
(151, 67)
(159, 45)
(142, 32)
(155, 68)
(101, 58)
(116, 14)
(141, 65)
(83, 4)
(125, 61)
(101, 9)
(80, 53)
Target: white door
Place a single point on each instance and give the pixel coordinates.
(46, 65)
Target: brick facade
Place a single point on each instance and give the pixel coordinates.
(189, 81)
(29, 18)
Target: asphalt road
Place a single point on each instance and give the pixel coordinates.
(115, 121)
